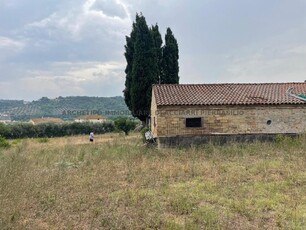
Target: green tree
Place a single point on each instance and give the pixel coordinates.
(158, 41)
(129, 54)
(148, 63)
(125, 124)
(170, 65)
(144, 70)
(4, 130)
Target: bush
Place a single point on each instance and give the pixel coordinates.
(4, 130)
(125, 124)
(27, 130)
(4, 143)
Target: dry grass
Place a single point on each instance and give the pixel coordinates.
(117, 183)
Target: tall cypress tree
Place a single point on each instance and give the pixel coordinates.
(129, 54)
(144, 70)
(170, 65)
(158, 41)
(148, 63)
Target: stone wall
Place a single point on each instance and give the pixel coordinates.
(170, 120)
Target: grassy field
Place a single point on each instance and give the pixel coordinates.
(118, 183)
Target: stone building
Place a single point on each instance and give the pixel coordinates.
(199, 113)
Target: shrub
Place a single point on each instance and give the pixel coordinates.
(4, 143)
(125, 124)
(4, 130)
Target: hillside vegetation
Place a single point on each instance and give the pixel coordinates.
(62, 107)
(118, 183)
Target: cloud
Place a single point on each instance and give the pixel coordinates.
(298, 50)
(9, 47)
(79, 33)
(71, 47)
(76, 49)
(268, 65)
(94, 17)
(110, 8)
(66, 79)
(6, 42)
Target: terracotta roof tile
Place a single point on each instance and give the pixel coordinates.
(228, 94)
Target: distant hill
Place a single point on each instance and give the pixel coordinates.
(64, 107)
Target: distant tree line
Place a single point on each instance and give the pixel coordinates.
(148, 62)
(27, 130)
(60, 107)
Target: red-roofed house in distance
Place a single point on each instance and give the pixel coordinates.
(190, 114)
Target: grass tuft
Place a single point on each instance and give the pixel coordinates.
(42, 140)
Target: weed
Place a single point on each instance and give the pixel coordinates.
(16, 141)
(207, 217)
(48, 201)
(65, 164)
(182, 205)
(42, 140)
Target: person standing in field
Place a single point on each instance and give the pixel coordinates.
(91, 136)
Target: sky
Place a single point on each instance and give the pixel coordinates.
(54, 48)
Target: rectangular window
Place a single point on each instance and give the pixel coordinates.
(193, 122)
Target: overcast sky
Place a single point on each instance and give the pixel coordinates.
(75, 47)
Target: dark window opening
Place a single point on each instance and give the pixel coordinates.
(194, 122)
(154, 123)
(269, 122)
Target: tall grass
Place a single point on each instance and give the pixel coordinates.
(121, 184)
